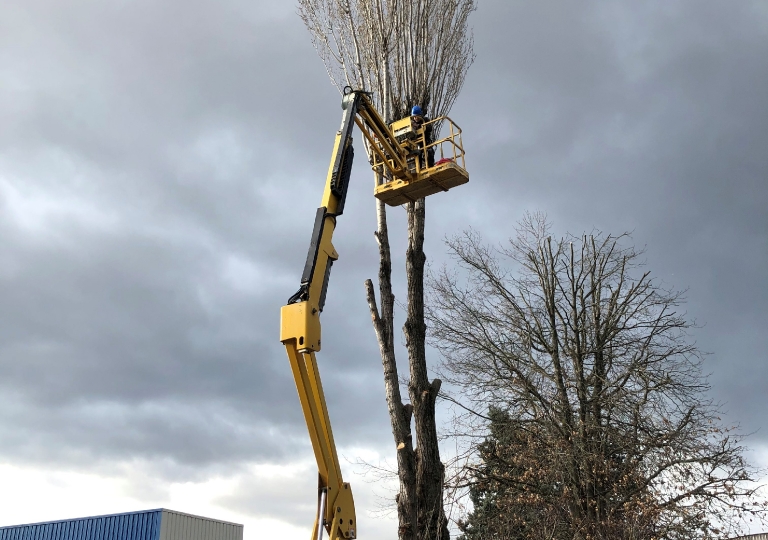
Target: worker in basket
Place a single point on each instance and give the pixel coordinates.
(419, 120)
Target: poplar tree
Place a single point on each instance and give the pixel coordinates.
(406, 52)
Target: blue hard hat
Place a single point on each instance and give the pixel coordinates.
(416, 111)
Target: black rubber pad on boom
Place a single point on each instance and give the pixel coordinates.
(314, 246)
(340, 178)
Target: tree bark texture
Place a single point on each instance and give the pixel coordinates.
(420, 470)
(429, 468)
(399, 413)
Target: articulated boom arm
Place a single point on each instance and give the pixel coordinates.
(404, 164)
(300, 333)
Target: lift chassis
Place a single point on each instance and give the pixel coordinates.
(401, 156)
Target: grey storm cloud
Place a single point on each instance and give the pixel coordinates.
(151, 228)
(160, 163)
(647, 118)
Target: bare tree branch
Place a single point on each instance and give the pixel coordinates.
(599, 425)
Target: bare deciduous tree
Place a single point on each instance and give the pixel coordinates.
(407, 52)
(600, 426)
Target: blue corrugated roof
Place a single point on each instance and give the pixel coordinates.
(143, 525)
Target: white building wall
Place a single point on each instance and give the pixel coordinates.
(180, 526)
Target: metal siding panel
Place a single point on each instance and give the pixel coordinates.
(171, 518)
(80, 529)
(157, 524)
(137, 529)
(183, 527)
(97, 530)
(164, 526)
(136, 523)
(120, 529)
(142, 527)
(106, 529)
(172, 525)
(87, 530)
(118, 533)
(149, 527)
(116, 529)
(176, 528)
(152, 528)
(163, 533)
(125, 527)
(128, 522)
(135, 526)
(108, 532)
(130, 527)
(72, 529)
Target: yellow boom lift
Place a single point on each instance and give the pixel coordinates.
(403, 156)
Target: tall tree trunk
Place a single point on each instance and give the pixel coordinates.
(420, 471)
(399, 413)
(429, 468)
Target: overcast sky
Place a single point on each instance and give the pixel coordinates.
(160, 163)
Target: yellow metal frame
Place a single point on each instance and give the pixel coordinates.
(300, 333)
(400, 162)
(404, 174)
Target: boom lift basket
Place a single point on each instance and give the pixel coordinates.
(432, 168)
